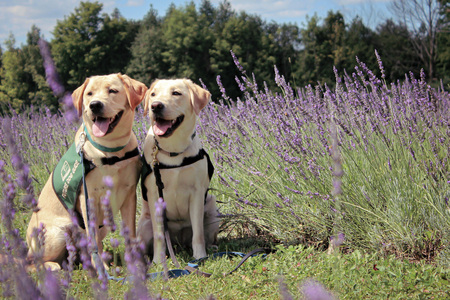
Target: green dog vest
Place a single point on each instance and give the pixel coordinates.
(68, 174)
(67, 178)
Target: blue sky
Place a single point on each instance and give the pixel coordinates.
(18, 16)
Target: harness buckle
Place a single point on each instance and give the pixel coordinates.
(155, 152)
(81, 142)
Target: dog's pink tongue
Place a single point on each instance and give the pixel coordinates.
(100, 127)
(161, 127)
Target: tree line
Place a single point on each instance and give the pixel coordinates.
(195, 42)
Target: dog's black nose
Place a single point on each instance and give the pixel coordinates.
(157, 107)
(96, 107)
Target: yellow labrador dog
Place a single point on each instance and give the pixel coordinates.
(107, 105)
(184, 166)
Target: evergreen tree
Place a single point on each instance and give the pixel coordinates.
(188, 38)
(146, 63)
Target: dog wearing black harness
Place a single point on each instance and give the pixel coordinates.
(177, 169)
(104, 145)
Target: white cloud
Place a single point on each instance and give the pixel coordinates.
(286, 10)
(360, 2)
(18, 16)
(135, 3)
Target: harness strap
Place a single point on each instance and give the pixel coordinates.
(88, 166)
(172, 154)
(147, 169)
(114, 159)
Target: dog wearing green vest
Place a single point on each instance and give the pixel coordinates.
(108, 148)
(176, 169)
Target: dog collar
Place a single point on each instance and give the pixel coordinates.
(101, 147)
(171, 154)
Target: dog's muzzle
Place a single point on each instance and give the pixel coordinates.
(165, 128)
(102, 126)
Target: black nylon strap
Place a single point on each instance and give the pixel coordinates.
(114, 159)
(248, 255)
(147, 170)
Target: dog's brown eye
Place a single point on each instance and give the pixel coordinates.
(153, 94)
(175, 93)
(89, 93)
(113, 91)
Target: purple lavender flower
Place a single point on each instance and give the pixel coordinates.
(22, 169)
(54, 82)
(313, 290)
(108, 181)
(108, 217)
(237, 63)
(285, 295)
(380, 65)
(338, 240)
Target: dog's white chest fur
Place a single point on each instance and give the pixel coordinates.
(181, 186)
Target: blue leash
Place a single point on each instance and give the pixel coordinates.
(193, 265)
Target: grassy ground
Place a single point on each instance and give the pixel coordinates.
(293, 270)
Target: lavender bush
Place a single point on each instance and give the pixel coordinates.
(362, 165)
(367, 159)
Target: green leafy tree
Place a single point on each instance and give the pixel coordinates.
(257, 46)
(89, 43)
(394, 46)
(146, 62)
(39, 92)
(22, 77)
(188, 38)
(13, 88)
(360, 42)
(324, 47)
(286, 44)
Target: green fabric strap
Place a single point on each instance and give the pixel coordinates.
(100, 147)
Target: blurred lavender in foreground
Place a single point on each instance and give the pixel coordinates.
(108, 219)
(55, 83)
(313, 290)
(22, 169)
(13, 250)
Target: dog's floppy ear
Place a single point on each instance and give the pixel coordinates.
(135, 90)
(147, 97)
(199, 96)
(77, 97)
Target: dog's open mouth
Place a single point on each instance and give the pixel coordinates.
(165, 128)
(102, 126)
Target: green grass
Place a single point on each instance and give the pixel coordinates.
(348, 276)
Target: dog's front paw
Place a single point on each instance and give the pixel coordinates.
(199, 251)
(52, 266)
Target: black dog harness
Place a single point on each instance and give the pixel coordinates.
(68, 174)
(147, 170)
(156, 166)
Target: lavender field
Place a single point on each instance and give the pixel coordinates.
(362, 166)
